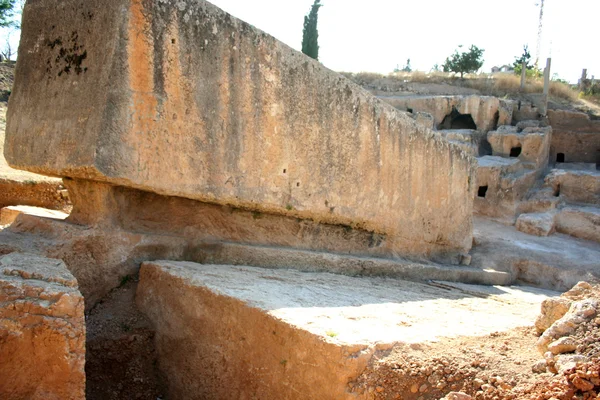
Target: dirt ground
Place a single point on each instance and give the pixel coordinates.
(121, 360)
(492, 367)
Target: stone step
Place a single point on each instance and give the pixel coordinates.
(312, 261)
(580, 222)
(538, 224)
(232, 332)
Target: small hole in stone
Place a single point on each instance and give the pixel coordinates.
(410, 110)
(560, 157)
(482, 191)
(557, 191)
(173, 41)
(284, 171)
(298, 184)
(515, 152)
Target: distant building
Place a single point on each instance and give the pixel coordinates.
(503, 69)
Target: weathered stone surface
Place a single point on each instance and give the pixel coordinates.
(539, 224)
(487, 112)
(180, 98)
(101, 256)
(228, 332)
(553, 309)
(502, 184)
(579, 312)
(576, 136)
(9, 214)
(556, 262)
(575, 186)
(581, 222)
(565, 344)
(42, 331)
(533, 144)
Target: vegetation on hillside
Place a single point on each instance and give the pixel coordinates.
(464, 62)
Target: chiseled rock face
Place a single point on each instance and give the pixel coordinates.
(487, 112)
(539, 224)
(531, 143)
(575, 186)
(502, 184)
(575, 136)
(180, 98)
(42, 330)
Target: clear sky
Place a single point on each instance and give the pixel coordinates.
(377, 35)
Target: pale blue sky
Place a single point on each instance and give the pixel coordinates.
(377, 35)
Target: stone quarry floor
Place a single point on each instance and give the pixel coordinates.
(558, 261)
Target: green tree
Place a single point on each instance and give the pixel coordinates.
(532, 70)
(7, 11)
(465, 62)
(407, 67)
(310, 35)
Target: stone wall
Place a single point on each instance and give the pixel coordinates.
(42, 330)
(487, 112)
(575, 136)
(181, 99)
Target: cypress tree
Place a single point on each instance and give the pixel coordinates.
(310, 36)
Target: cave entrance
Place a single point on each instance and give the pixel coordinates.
(560, 158)
(482, 191)
(515, 152)
(456, 120)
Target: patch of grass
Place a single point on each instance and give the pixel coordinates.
(283, 362)
(331, 333)
(289, 207)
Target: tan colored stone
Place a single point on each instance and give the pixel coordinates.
(552, 310)
(180, 98)
(575, 186)
(579, 312)
(507, 183)
(42, 331)
(533, 144)
(9, 214)
(229, 332)
(575, 135)
(539, 224)
(563, 345)
(487, 112)
(581, 222)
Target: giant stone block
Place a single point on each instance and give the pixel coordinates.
(180, 98)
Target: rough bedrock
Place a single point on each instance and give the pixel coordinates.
(131, 210)
(101, 256)
(487, 112)
(221, 341)
(42, 330)
(533, 142)
(539, 224)
(182, 99)
(98, 258)
(507, 183)
(575, 135)
(226, 332)
(581, 222)
(575, 186)
(49, 195)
